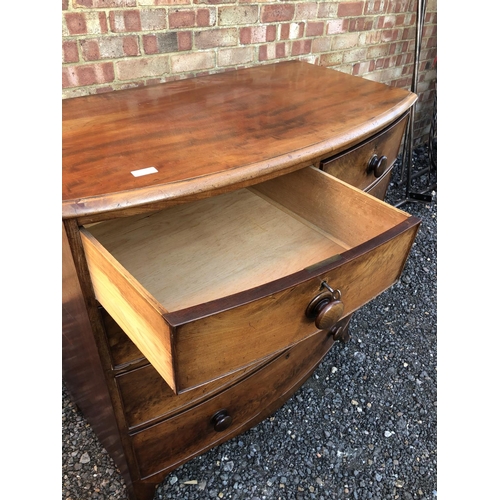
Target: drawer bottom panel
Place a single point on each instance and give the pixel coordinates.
(165, 446)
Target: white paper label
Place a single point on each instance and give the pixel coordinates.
(144, 171)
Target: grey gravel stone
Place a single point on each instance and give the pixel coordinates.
(319, 445)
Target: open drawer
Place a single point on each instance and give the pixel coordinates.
(209, 287)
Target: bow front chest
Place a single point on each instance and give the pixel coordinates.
(218, 234)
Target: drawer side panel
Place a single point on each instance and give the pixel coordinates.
(134, 312)
(332, 205)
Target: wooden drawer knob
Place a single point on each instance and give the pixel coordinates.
(221, 420)
(326, 308)
(377, 165)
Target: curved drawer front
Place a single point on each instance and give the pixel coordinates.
(147, 399)
(222, 342)
(178, 439)
(209, 288)
(364, 165)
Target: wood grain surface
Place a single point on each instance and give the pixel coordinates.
(213, 133)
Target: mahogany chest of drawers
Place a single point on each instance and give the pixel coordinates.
(218, 234)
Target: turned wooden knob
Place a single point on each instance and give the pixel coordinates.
(221, 420)
(329, 315)
(377, 165)
(326, 308)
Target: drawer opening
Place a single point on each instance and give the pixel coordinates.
(191, 284)
(194, 253)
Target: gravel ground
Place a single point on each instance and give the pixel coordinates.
(362, 427)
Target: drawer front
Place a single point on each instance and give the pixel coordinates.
(362, 245)
(222, 342)
(364, 165)
(379, 188)
(147, 398)
(168, 444)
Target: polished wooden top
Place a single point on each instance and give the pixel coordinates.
(212, 134)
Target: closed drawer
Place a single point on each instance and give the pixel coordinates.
(207, 288)
(168, 444)
(147, 398)
(363, 165)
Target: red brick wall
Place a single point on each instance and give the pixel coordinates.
(115, 44)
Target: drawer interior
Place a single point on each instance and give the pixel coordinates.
(211, 248)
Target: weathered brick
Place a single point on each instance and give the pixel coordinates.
(361, 67)
(370, 37)
(376, 51)
(150, 44)
(89, 74)
(304, 11)
(83, 23)
(182, 19)
(360, 24)
(331, 59)
(321, 44)
(112, 47)
(205, 17)
(224, 37)
(344, 41)
(292, 31)
(315, 28)
(153, 19)
(191, 18)
(328, 10)
(83, 3)
(160, 43)
(396, 48)
(389, 74)
(130, 46)
(431, 42)
(235, 56)
(90, 50)
(390, 35)
(429, 31)
(193, 61)
(100, 4)
(125, 20)
(277, 13)
(163, 2)
(375, 6)
(399, 6)
(336, 26)
(400, 20)
(300, 47)
(212, 2)
(184, 40)
(409, 33)
(354, 55)
(350, 9)
(76, 23)
(403, 82)
(273, 51)
(258, 34)
(144, 67)
(64, 4)
(237, 15)
(70, 52)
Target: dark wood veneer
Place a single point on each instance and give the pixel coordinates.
(207, 136)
